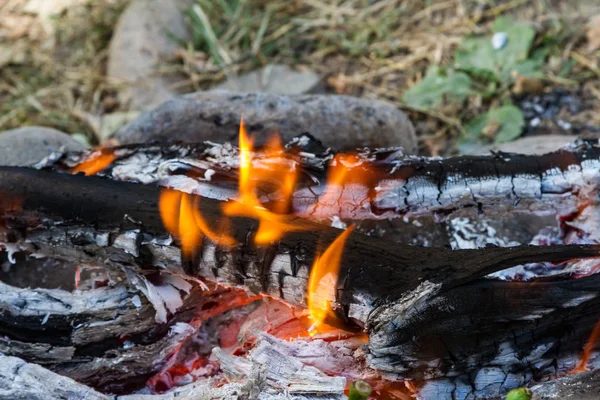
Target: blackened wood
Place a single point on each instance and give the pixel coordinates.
(82, 334)
(397, 186)
(490, 335)
(98, 220)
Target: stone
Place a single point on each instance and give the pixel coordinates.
(141, 43)
(274, 78)
(529, 145)
(29, 145)
(340, 122)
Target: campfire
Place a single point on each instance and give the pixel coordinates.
(268, 270)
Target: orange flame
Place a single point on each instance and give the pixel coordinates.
(587, 350)
(323, 279)
(180, 213)
(344, 170)
(275, 167)
(96, 163)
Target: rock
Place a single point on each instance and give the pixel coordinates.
(140, 46)
(29, 145)
(529, 145)
(274, 78)
(341, 122)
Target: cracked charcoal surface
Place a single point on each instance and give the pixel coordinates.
(493, 185)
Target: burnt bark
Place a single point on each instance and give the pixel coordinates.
(487, 336)
(397, 186)
(97, 220)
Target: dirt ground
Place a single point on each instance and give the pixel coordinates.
(53, 58)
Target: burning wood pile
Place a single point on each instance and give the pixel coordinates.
(273, 271)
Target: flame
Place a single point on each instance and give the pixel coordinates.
(344, 170)
(96, 163)
(587, 350)
(180, 213)
(323, 279)
(276, 167)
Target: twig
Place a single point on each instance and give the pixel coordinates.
(586, 62)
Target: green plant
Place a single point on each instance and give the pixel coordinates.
(359, 390)
(438, 85)
(502, 124)
(482, 69)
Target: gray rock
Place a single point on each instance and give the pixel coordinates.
(29, 145)
(274, 78)
(140, 46)
(529, 145)
(341, 122)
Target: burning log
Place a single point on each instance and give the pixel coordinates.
(381, 184)
(98, 221)
(417, 304)
(488, 335)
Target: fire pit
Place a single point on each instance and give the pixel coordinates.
(290, 271)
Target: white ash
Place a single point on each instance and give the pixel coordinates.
(128, 242)
(336, 222)
(361, 307)
(181, 327)
(208, 174)
(136, 301)
(274, 370)
(140, 167)
(466, 233)
(14, 248)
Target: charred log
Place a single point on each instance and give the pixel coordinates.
(106, 338)
(398, 186)
(100, 221)
(489, 336)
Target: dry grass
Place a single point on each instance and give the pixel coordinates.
(376, 49)
(368, 48)
(59, 77)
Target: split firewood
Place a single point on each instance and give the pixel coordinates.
(403, 296)
(487, 334)
(93, 220)
(379, 184)
(81, 334)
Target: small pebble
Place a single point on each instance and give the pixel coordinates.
(534, 122)
(565, 125)
(499, 40)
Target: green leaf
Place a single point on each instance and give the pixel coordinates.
(478, 53)
(503, 123)
(437, 86)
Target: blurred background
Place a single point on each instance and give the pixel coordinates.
(468, 73)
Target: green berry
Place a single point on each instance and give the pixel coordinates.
(519, 394)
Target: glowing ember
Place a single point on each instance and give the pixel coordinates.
(587, 351)
(95, 164)
(77, 276)
(180, 213)
(276, 168)
(323, 279)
